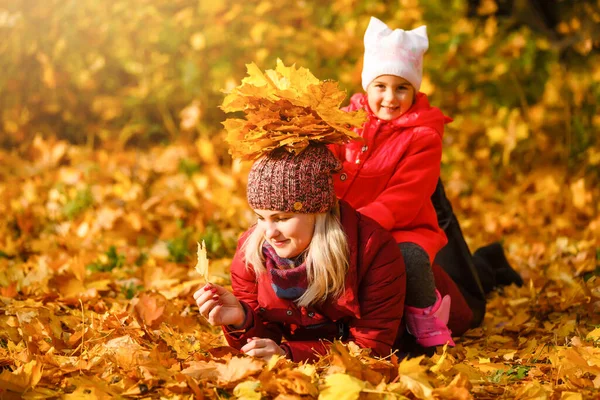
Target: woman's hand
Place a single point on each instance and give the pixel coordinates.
(219, 306)
(262, 348)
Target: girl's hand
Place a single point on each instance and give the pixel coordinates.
(262, 348)
(219, 306)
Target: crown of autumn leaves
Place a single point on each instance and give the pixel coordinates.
(286, 108)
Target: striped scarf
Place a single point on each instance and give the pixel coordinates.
(288, 276)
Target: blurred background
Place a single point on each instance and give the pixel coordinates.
(521, 78)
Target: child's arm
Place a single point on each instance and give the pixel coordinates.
(412, 183)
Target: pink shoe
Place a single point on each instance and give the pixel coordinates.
(429, 325)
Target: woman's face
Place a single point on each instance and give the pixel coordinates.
(288, 233)
(390, 96)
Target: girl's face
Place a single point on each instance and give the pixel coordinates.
(390, 96)
(288, 233)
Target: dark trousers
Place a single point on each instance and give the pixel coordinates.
(456, 259)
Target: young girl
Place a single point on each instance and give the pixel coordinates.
(391, 175)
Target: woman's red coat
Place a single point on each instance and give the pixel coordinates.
(371, 305)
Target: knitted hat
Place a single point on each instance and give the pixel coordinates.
(283, 181)
(394, 52)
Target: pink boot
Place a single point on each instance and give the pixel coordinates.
(429, 325)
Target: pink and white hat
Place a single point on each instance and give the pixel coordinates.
(394, 52)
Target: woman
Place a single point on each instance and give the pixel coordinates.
(311, 270)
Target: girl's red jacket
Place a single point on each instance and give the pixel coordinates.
(391, 175)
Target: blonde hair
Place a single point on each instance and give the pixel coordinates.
(326, 258)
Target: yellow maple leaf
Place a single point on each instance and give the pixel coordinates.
(287, 107)
(341, 387)
(238, 368)
(307, 369)
(202, 263)
(532, 390)
(297, 382)
(440, 363)
(297, 79)
(256, 77)
(571, 396)
(25, 377)
(247, 390)
(413, 377)
(594, 335)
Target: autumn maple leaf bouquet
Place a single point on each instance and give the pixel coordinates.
(286, 108)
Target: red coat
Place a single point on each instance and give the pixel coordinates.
(370, 307)
(391, 176)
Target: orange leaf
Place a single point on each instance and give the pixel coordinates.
(150, 307)
(25, 377)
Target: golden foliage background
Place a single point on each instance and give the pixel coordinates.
(113, 165)
(122, 73)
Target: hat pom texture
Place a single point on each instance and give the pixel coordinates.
(394, 52)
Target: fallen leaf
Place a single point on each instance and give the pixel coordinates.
(25, 377)
(247, 390)
(341, 387)
(238, 368)
(150, 307)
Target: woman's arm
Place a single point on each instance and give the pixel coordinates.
(245, 288)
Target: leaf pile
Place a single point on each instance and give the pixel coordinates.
(97, 251)
(287, 107)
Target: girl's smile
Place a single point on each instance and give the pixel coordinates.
(390, 96)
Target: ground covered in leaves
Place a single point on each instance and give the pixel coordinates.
(97, 255)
